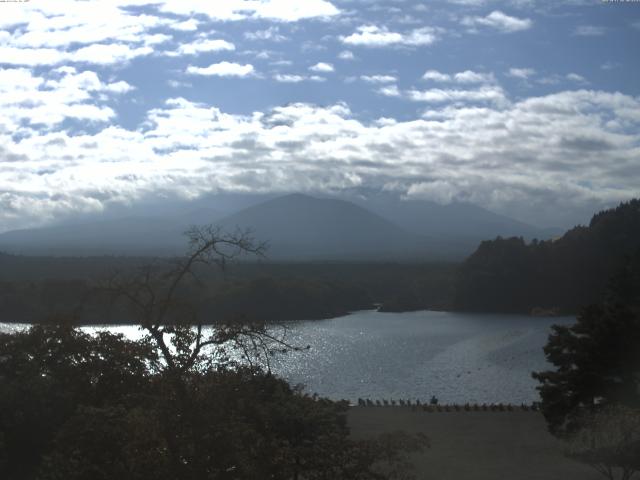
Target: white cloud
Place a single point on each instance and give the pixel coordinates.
(291, 78)
(31, 56)
(574, 77)
(294, 10)
(524, 157)
(109, 33)
(322, 67)
(272, 34)
(62, 23)
(18, 79)
(223, 69)
(469, 76)
(389, 91)
(263, 55)
(190, 25)
(346, 55)
(119, 87)
(436, 76)
(27, 100)
(99, 54)
(14, 15)
(233, 10)
(280, 63)
(379, 78)
(374, 36)
(522, 73)
(442, 192)
(499, 21)
(108, 54)
(103, 33)
(589, 31)
(203, 46)
(178, 84)
(492, 94)
(52, 33)
(156, 39)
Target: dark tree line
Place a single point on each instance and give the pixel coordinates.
(268, 298)
(40, 287)
(561, 275)
(591, 398)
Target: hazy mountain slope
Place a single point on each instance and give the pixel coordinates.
(123, 236)
(456, 220)
(299, 226)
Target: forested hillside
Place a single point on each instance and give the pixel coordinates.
(36, 289)
(561, 275)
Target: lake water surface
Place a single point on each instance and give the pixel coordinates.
(456, 357)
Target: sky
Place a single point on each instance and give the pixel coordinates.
(527, 108)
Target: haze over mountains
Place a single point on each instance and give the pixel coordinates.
(296, 227)
(464, 221)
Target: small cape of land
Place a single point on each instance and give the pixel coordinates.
(476, 445)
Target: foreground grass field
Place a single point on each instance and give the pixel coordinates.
(476, 445)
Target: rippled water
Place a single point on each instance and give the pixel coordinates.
(457, 357)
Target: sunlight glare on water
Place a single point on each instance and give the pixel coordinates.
(457, 357)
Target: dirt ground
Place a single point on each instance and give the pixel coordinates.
(476, 445)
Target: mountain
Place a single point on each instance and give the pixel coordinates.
(298, 227)
(122, 236)
(303, 227)
(562, 275)
(463, 221)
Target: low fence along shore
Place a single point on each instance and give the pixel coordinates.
(434, 406)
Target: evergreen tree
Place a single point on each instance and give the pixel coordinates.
(597, 359)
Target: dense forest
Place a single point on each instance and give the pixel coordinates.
(554, 276)
(34, 289)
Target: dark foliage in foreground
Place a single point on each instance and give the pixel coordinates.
(609, 442)
(561, 276)
(76, 406)
(180, 404)
(597, 359)
(592, 398)
(597, 363)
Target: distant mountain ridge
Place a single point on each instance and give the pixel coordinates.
(148, 235)
(559, 275)
(302, 227)
(454, 220)
(298, 227)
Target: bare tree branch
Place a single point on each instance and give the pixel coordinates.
(153, 295)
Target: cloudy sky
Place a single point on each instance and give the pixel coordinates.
(528, 108)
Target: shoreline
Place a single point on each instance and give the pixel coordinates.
(286, 322)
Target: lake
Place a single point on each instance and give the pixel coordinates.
(457, 357)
